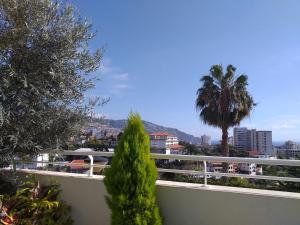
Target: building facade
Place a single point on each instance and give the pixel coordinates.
(244, 139)
(205, 140)
(163, 140)
(253, 140)
(289, 149)
(247, 168)
(264, 142)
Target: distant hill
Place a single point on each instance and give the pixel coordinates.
(151, 127)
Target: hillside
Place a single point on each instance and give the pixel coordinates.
(151, 127)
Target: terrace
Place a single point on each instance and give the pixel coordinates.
(183, 203)
(158, 51)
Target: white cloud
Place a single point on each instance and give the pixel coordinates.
(282, 122)
(117, 80)
(100, 115)
(107, 68)
(118, 89)
(284, 127)
(121, 76)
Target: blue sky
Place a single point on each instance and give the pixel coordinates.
(156, 52)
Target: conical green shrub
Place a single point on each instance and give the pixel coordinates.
(130, 181)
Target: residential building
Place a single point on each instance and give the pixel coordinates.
(289, 149)
(253, 140)
(240, 138)
(259, 170)
(248, 168)
(264, 142)
(163, 140)
(291, 145)
(205, 140)
(37, 162)
(217, 167)
(91, 131)
(105, 131)
(232, 167)
(244, 139)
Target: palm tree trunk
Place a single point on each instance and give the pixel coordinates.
(225, 148)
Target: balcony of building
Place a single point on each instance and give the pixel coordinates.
(182, 203)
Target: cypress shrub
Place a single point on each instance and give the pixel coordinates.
(130, 181)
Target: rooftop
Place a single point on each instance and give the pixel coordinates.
(162, 134)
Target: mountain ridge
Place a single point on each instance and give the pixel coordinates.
(152, 127)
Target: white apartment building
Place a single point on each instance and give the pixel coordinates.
(248, 168)
(217, 167)
(253, 140)
(163, 140)
(37, 162)
(205, 140)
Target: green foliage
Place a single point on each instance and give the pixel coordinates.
(130, 181)
(45, 67)
(7, 186)
(223, 100)
(235, 182)
(95, 144)
(281, 171)
(224, 181)
(190, 149)
(103, 144)
(34, 203)
(233, 152)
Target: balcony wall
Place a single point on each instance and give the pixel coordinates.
(183, 203)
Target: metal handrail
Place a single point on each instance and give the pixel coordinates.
(204, 159)
(275, 162)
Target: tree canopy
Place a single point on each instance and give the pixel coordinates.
(45, 68)
(130, 181)
(223, 100)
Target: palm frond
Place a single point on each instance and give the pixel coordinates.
(230, 70)
(216, 72)
(218, 89)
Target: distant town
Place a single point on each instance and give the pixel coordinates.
(253, 142)
(244, 143)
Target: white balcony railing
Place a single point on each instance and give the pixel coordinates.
(204, 159)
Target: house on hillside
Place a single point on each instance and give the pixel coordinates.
(163, 140)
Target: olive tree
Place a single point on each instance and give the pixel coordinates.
(45, 68)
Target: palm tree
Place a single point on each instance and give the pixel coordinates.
(223, 100)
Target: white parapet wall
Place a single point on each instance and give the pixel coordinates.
(182, 203)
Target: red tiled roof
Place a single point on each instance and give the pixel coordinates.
(76, 161)
(161, 134)
(175, 146)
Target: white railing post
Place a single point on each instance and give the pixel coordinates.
(205, 173)
(91, 165)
